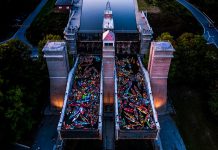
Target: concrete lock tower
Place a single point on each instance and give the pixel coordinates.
(160, 57)
(108, 54)
(56, 57)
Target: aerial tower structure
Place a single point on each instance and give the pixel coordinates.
(56, 57)
(117, 104)
(108, 54)
(160, 57)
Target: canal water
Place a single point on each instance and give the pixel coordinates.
(93, 13)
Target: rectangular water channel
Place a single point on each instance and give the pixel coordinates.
(82, 110)
(123, 16)
(134, 109)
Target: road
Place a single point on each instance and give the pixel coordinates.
(210, 33)
(21, 32)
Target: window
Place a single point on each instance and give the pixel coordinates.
(60, 7)
(67, 7)
(108, 44)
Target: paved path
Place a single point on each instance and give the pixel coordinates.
(169, 134)
(210, 33)
(21, 32)
(47, 133)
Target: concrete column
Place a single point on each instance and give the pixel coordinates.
(108, 67)
(145, 43)
(160, 57)
(56, 57)
(70, 37)
(108, 54)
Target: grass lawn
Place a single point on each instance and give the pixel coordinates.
(47, 22)
(196, 125)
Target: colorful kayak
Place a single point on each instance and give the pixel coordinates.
(134, 106)
(83, 101)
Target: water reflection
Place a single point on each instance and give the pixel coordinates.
(123, 15)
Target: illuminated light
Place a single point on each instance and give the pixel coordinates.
(159, 102)
(57, 102)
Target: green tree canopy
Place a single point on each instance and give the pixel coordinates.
(213, 102)
(166, 37)
(188, 65)
(195, 64)
(23, 90)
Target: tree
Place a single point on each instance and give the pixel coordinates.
(195, 65)
(166, 37)
(17, 113)
(211, 74)
(1, 95)
(213, 102)
(153, 2)
(23, 90)
(188, 63)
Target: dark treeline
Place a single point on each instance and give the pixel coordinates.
(195, 65)
(23, 92)
(193, 90)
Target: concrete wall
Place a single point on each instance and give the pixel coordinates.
(72, 46)
(159, 90)
(57, 90)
